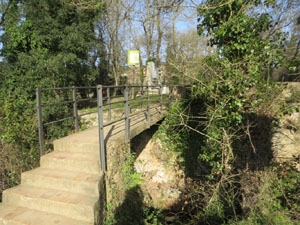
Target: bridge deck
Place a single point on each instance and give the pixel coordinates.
(114, 132)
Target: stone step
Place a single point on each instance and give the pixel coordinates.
(15, 215)
(68, 145)
(78, 182)
(85, 141)
(75, 206)
(72, 161)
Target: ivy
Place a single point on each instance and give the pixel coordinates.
(236, 28)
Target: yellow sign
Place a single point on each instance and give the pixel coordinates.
(133, 57)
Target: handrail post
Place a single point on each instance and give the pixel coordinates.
(126, 98)
(142, 93)
(108, 105)
(100, 124)
(170, 95)
(130, 95)
(40, 120)
(161, 99)
(148, 107)
(75, 112)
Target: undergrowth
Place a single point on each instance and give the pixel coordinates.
(125, 204)
(221, 134)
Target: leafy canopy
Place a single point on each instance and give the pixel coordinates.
(236, 28)
(46, 43)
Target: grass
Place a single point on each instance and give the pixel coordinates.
(134, 103)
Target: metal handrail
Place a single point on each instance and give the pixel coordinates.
(86, 99)
(40, 106)
(57, 103)
(101, 90)
(60, 88)
(113, 103)
(88, 113)
(61, 120)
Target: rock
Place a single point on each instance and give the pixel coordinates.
(286, 139)
(163, 179)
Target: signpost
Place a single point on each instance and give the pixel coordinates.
(133, 57)
(134, 60)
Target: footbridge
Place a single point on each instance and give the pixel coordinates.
(69, 186)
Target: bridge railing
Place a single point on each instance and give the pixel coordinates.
(134, 99)
(74, 101)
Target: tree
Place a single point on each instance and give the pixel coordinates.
(183, 57)
(50, 43)
(116, 27)
(46, 43)
(292, 56)
(5, 8)
(236, 28)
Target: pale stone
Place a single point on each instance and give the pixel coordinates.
(286, 138)
(160, 176)
(152, 77)
(163, 179)
(174, 193)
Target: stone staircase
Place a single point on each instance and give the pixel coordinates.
(68, 187)
(64, 190)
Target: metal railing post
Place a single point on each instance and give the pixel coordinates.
(75, 112)
(40, 120)
(126, 98)
(130, 94)
(161, 99)
(100, 124)
(108, 105)
(170, 95)
(142, 93)
(148, 107)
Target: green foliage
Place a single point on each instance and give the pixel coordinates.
(51, 45)
(131, 178)
(236, 31)
(126, 206)
(172, 132)
(234, 87)
(151, 59)
(294, 98)
(228, 98)
(287, 109)
(286, 187)
(279, 198)
(153, 216)
(290, 104)
(45, 44)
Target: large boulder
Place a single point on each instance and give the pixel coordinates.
(286, 139)
(163, 179)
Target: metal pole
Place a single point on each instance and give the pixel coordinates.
(100, 124)
(170, 95)
(161, 99)
(75, 108)
(130, 94)
(126, 98)
(148, 106)
(40, 120)
(142, 92)
(108, 105)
